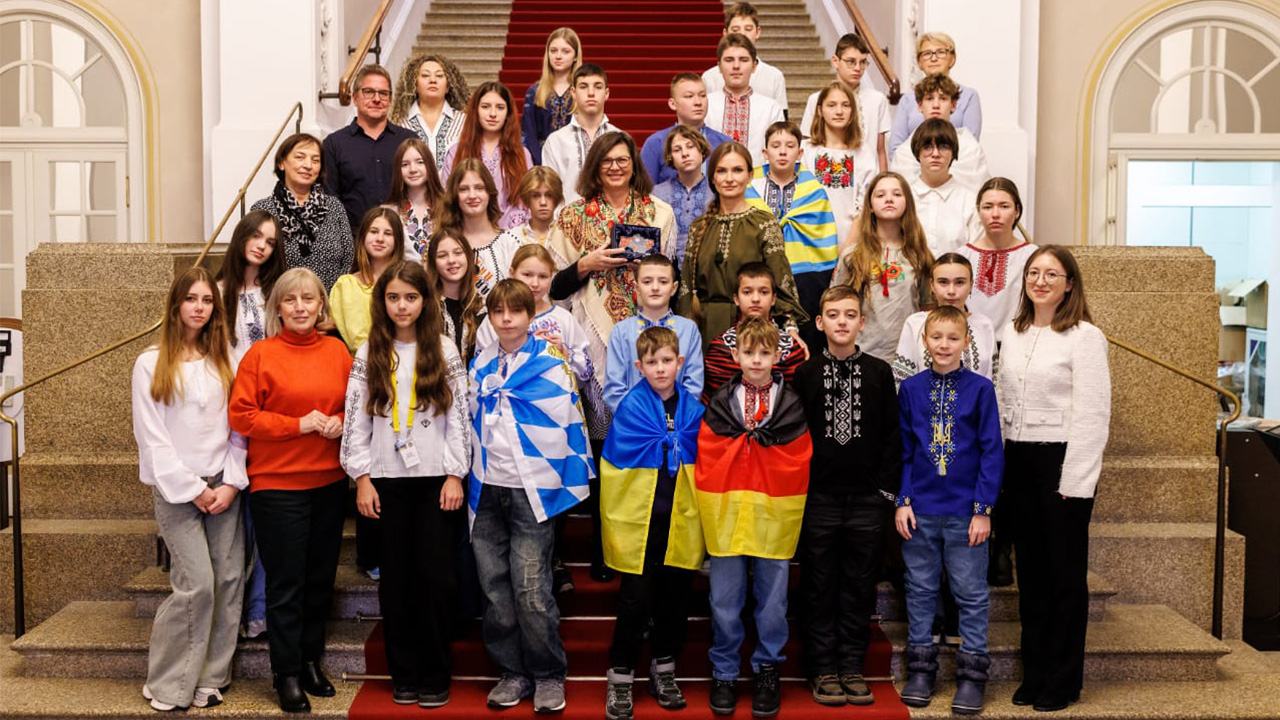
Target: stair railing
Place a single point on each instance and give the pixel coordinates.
(370, 42)
(877, 53)
(19, 599)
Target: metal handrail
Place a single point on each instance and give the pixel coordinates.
(19, 602)
(370, 41)
(877, 53)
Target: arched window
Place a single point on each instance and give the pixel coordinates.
(70, 137)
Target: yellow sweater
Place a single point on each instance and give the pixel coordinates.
(349, 301)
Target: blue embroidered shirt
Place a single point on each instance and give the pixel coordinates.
(620, 369)
(688, 203)
(952, 452)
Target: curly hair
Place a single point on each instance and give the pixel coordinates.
(407, 87)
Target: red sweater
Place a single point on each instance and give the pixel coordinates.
(280, 380)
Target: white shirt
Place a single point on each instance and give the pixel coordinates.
(441, 438)
(969, 169)
(493, 261)
(997, 282)
(763, 112)
(553, 321)
(873, 114)
(948, 214)
(500, 438)
(181, 444)
(765, 80)
(912, 356)
(740, 397)
(845, 190)
(566, 149)
(439, 137)
(1056, 387)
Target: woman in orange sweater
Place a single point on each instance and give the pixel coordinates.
(287, 400)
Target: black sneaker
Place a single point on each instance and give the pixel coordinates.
(404, 695)
(724, 696)
(662, 684)
(619, 704)
(602, 573)
(433, 699)
(561, 579)
(767, 697)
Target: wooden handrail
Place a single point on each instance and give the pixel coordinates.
(19, 601)
(361, 50)
(877, 53)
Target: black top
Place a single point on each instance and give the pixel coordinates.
(853, 420)
(358, 169)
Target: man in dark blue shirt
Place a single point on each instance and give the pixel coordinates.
(358, 158)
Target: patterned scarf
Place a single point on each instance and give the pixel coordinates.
(755, 403)
(300, 222)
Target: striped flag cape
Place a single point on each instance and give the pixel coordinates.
(639, 443)
(536, 407)
(752, 484)
(809, 227)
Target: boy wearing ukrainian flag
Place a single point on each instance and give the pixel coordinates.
(649, 517)
(752, 475)
(791, 192)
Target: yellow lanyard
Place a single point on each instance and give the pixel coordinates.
(395, 401)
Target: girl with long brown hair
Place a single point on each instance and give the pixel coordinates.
(196, 468)
(429, 100)
(491, 133)
(471, 211)
(379, 245)
(548, 104)
(252, 263)
(888, 264)
(406, 441)
(837, 154)
(416, 192)
(451, 269)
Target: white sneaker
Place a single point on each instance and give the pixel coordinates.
(207, 697)
(156, 704)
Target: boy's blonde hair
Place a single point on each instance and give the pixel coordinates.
(836, 293)
(536, 177)
(946, 314)
(756, 332)
(654, 339)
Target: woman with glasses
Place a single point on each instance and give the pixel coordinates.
(936, 55)
(997, 255)
(1054, 393)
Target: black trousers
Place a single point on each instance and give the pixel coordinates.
(1051, 546)
(661, 594)
(299, 537)
(841, 549)
(368, 542)
(419, 580)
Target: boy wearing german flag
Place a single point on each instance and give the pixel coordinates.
(649, 516)
(752, 474)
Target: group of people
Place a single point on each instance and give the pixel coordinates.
(805, 358)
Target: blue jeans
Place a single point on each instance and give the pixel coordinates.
(255, 601)
(940, 539)
(513, 560)
(729, 594)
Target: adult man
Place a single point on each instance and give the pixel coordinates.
(689, 100)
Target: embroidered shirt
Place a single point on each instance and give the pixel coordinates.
(912, 356)
(778, 198)
(997, 282)
(720, 365)
(441, 137)
(513, 213)
(566, 149)
(417, 231)
(737, 116)
(689, 203)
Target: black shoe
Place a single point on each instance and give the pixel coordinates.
(433, 699)
(1000, 571)
(1049, 701)
(314, 681)
(292, 699)
(1025, 695)
(856, 690)
(602, 573)
(404, 695)
(724, 696)
(561, 579)
(767, 697)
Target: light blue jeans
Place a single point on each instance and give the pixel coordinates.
(729, 594)
(940, 539)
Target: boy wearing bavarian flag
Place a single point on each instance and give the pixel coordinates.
(751, 476)
(652, 534)
(530, 462)
(791, 192)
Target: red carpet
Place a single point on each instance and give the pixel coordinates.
(641, 44)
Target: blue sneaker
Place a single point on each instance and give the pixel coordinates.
(374, 574)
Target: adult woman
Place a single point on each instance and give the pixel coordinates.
(997, 255)
(731, 234)
(287, 400)
(936, 55)
(314, 228)
(1055, 396)
(491, 133)
(430, 98)
(470, 210)
(548, 104)
(415, 194)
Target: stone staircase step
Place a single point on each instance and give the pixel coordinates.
(117, 494)
(1150, 489)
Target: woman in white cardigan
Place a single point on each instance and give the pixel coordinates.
(196, 468)
(1055, 404)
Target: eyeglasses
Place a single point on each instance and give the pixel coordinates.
(622, 163)
(1050, 277)
(370, 93)
(855, 63)
(933, 54)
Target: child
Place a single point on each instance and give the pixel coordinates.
(688, 193)
(786, 188)
(542, 192)
(415, 193)
(381, 243)
(937, 96)
(952, 461)
(952, 281)
(736, 111)
(471, 211)
(888, 265)
(409, 474)
(548, 103)
(852, 411)
(752, 472)
(689, 101)
(491, 134)
(656, 284)
(514, 493)
(998, 254)
(947, 209)
(836, 153)
(196, 468)
(743, 19)
(565, 150)
(451, 268)
(652, 534)
(754, 298)
(850, 61)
